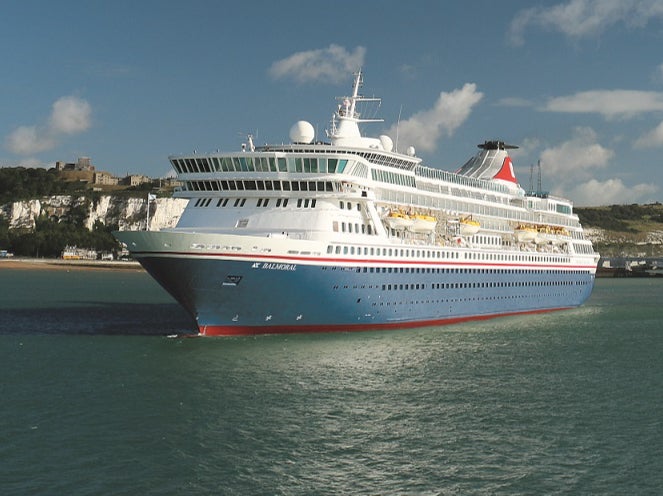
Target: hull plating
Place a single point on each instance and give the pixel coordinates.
(233, 297)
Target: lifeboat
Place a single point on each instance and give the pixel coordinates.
(551, 234)
(469, 226)
(525, 233)
(423, 223)
(399, 220)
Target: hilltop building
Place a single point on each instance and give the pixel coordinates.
(82, 164)
(84, 171)
(105, 178)
(135, 180)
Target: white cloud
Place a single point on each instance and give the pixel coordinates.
(653, 139)
(424, 128)
(333, 64)
(569, 165)
(25, 140)
(585, 18)
(609, 103)
(70, 115)
(611, 192)
(570, 160)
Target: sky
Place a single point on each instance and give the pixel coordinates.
(577, 85)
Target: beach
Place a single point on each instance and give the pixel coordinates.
(60, 264)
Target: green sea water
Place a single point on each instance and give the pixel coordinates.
(95, 399)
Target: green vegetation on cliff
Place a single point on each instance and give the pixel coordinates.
(20, 183)
(51, 235)
(623, 218)
(628, 230)
(49, 238)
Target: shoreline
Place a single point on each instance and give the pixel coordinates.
(60, 264)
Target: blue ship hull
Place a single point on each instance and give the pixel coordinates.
(238, 297)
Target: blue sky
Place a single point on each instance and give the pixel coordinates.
(577, 84)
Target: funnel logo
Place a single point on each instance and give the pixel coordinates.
(506, 172)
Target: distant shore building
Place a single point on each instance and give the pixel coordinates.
(82, 164)
(169, 182)
(135, 180)
(83, 171)
(75, 253)
(105, 178)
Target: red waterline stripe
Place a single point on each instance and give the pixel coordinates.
(171, 254)
(214, 330)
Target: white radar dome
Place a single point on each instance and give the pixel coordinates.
(387, 143)
(302, 132)
(411, 151)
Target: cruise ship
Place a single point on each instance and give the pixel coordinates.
(348, 233)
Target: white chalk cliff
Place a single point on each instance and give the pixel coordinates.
(125, 213)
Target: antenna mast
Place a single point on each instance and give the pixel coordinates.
(531, 177)
(538, 185)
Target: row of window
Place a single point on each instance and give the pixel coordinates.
(260, 164)
(400, 302)
(443, 254)
(442, 175)
(347, 205)
(258, 185)
(538, 273)
(261, 202)
(387, 159)
(357, 228)
(478, 285)
(264, 202)
(393, 178)
(486, 240)
(586, 249)
(465, 285)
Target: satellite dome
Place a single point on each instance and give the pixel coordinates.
(302, 132)
(411, 151)
(387, 143)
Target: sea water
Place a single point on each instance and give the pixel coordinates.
(95, 399)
